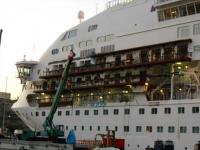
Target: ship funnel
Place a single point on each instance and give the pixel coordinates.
(81, 16)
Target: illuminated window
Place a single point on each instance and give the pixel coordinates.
(174, 12)
(149, 129)
(167, 14)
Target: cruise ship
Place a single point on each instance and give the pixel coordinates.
(136, 71)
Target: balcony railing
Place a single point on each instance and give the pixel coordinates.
(165, 2)
(116, 65)
(96, 83)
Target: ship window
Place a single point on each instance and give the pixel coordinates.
(77, 112)
(127, 111)
(89, 43)
(98, 128)
(72, 33)
(149, 129)
(54, 51)
(197, 6)
(101, 39)
(67, 113)
(138, 129)
(43, 113)
(160, 129)
(195, 129)
(92, 27)
(109, 37)
(141, 111)
(90, 128)
(126, 128)
(75, 128)
(116, 111)
(183, 129)
(36, 113)
(105, 111)
(183, 10)
(59, 113)
(174, 12)
(65, 36)
(195, 110)
(181, 110)
(196, 29)
(66, 127)
(116, 128)
(67, 48)
(167, 110)
(161, 15)
(82, 44)
(154, 111)
(86, 112)
(191, 9)
(96, 112)
(171, 129)
(183, 31)
(107, 128)
(197, 48)
(167, 14)
(82, 128)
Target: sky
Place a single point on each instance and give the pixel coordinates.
(30, 27)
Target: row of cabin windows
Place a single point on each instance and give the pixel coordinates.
(141, 111)
(179, 11)
(167, 110)
(138, 129)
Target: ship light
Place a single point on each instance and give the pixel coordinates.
(161, 91)
(125, 92)
(130, 86)
(180, 89)
(43, 93)
(179, 63)
(146, 83)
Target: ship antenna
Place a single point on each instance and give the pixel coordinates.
(80, 16)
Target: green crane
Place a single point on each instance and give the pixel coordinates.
(49, 128)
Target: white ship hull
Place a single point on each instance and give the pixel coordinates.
(136, 71)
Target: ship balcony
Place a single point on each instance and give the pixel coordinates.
(99, 83)
(123, 64)
(47, 102)
(160, 3)
(131, 63)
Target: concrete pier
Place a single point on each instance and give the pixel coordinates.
(7, 144)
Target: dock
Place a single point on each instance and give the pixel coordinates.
(10, 144)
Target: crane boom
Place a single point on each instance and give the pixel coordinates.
(49, 128)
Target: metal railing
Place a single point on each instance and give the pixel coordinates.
(114, 3)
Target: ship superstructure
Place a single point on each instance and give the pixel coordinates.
(136, 71)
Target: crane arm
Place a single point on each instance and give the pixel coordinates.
(49, 128)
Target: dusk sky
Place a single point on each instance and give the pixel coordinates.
(31, 26)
